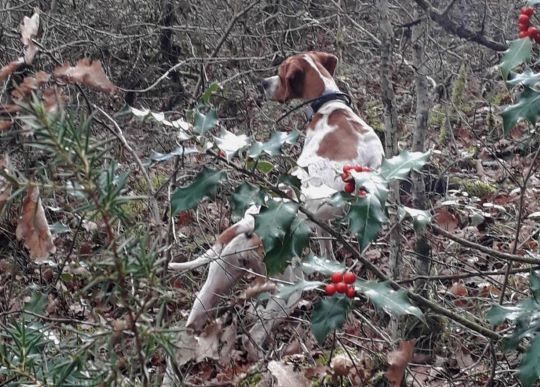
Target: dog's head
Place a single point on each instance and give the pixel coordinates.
(304, 76)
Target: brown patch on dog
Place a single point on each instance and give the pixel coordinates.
(227, 235)
(327, 61)
(314, 121)
(342, 142)
(297, 79)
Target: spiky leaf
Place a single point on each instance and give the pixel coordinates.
(231, 143)
(529, 369)
(273, 146)
(384, 297)
(329, 314)
(398, 167)
(285, 291)
(372, 183)
(527, 107)
(527, 78)
(420, 218)
(205, 185)
(518, 52)
(365, 218)
(204, 122)
(244, 196)
(313, 264)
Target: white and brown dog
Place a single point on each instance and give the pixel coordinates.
(335, 136)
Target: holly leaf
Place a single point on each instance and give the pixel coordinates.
(529, 369)
(296, 239)
(372, 183)
(527, 107)
(313, 264)
(204, 122)
(205, 185)
(398, 167)
(244, 196)
(273, 146)
(274, 221)
(210, 91)
(420, 218)
(518, 52)
(285, 291)
(384, 297)
(534, 279)
(231, 143)
(365, 218)
(329, 314)
(527, 78)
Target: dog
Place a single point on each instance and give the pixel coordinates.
(335, 136)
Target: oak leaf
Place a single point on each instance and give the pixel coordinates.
(398, 361)
(29, 28)
(33, 228)
(88, 73)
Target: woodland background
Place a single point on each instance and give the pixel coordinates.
(423, 74)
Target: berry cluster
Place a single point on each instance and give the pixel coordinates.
(348, 179)
(341, 283)
(524, 24)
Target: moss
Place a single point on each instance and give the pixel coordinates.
(252, 379)
(478, 188)
(459, 86)
(373, 116)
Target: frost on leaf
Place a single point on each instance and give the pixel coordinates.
(88, 73)
(32, 227)
(29, 29)
(398, 361)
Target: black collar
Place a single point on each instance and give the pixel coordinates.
(318, 102)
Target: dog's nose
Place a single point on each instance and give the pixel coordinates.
(265, 83)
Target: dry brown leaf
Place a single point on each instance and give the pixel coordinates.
(29, 28)
(53, 100)
(9, 109)
(8, 69)
(446, 219)
(208, 342)
(86, 72)
(5, 187)
(5, 125)
(398, 361)
(286, 376)
(29, 84)
(33, 228)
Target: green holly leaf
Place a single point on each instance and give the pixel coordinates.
(285, 291)
(210, 91)
(329, 313)
(244, 196)
(384, 297)
(296, 239)
(420, 218)
(534, 279)
(274, 222)
(339, 199)
(273, 146)
(313, 264)
(518, 52)
(527, 78)
(398, 167)
(204, 122)
(529, 369)
(205, 185)
(365, 218)
(527, 107)
(372, 183)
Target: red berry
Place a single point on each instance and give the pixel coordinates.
(349, 187)
(527, 11)
(345, 176)
(531, 32)
(330, 289)
(341, 287)
(523, 19)
(362, 193)
(523, 34)
(523, 27)
(347, 168)
(337, 277)
(351, 291)
(349, 277)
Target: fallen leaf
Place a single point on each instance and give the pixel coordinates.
(446, 219)
(208, 342)
(341, 364)
(5, 125)
(86, 72)
(29, 84)
(398, 361)
(286, 376)
(29, 28)
(8, 69)
(33, 228)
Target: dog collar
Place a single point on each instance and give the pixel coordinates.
(318, 102)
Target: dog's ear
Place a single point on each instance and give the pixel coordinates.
(328, 61)
(291, 82)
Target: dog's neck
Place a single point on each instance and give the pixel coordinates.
(316, 104)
